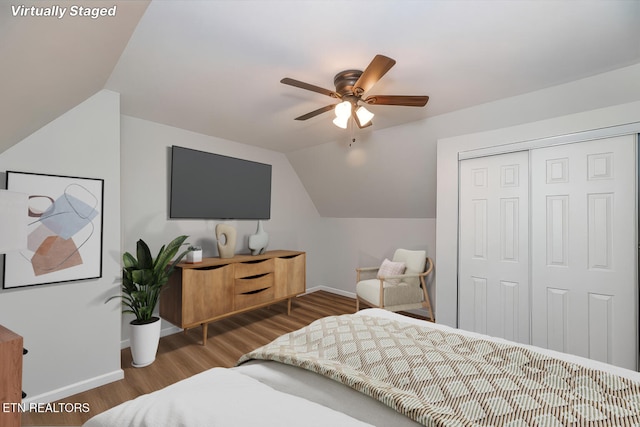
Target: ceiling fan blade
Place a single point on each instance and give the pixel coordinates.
(307, 86)
(374, 72)
(316, 112)
(408, 101)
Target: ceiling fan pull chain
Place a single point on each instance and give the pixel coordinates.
(351, 131)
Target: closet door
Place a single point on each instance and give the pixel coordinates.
(584, 249)
(493, 276)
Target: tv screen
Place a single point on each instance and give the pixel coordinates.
(211, 186)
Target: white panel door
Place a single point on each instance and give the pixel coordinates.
(584, 249)
(493, 276)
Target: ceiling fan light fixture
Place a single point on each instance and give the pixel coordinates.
(350, 86)
(341, 122)
(343, 110)
(364, 115)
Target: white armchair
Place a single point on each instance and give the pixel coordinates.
(396, 292)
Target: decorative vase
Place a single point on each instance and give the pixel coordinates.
(258, 242)
(144, 342)
(228, 248)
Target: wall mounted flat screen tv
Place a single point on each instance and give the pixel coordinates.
(211, 186)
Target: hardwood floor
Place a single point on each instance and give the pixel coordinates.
(181, 355)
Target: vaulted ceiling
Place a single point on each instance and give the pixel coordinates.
(214, 67)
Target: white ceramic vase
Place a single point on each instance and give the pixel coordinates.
(258, 242)
(144, 343)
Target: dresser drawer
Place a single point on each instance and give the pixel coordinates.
(251, 284)
(255, 268)
(253, 291)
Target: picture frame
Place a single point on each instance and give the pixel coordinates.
(64, 226)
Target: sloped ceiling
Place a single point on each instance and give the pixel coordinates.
(214, 67)
(50, 65)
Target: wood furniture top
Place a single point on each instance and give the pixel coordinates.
(215, 262)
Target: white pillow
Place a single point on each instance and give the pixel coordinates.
(391, 268)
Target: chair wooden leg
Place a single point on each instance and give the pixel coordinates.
(357, 303)
(427, 301)
(427, 304)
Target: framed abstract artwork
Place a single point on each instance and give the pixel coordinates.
(64, 228)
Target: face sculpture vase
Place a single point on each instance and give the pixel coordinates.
(227, 233)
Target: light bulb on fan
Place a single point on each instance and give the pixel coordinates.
(343, 113)
(364, 115)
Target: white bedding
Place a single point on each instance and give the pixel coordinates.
(220, 397)
(324, 391)
(272, 394)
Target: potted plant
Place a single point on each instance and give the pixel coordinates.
(142, 280)
(194, 255)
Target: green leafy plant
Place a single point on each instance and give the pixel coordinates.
(144, 277)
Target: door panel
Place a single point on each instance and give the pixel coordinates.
(584, 249)
(494, 255)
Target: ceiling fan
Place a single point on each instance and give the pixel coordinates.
(350, 87)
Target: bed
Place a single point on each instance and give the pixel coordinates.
(378, 368)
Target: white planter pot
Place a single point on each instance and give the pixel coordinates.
(194, 257)
(144, 343)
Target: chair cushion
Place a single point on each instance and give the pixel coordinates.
(415, 262)
(391, 268)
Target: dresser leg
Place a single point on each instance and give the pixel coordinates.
(205, 331)
(289, 307)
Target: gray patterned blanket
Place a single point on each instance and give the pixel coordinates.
(446, 379)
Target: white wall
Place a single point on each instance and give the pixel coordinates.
(386, 173)
(448, 150)
(72, 336)
(145, 179)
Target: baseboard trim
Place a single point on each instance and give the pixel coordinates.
(79, 387)
(331, 290)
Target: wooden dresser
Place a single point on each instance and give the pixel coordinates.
(220, 287)
(10, 377)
